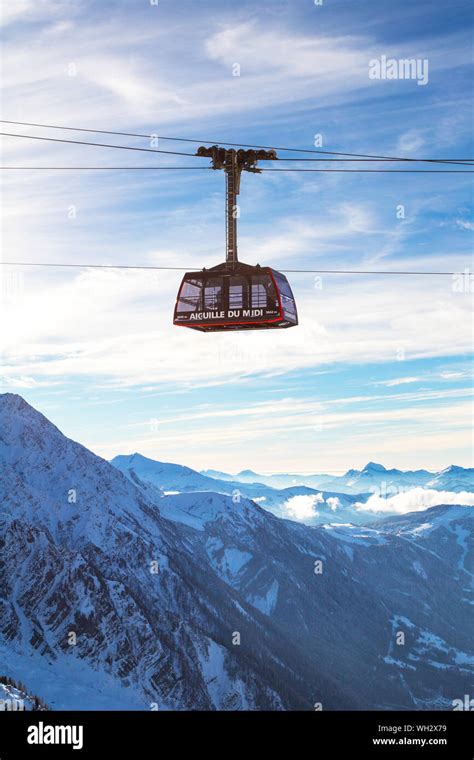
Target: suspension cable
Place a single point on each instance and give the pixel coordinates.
(243, 145)
(190, 268)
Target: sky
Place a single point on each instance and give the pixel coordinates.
(379, 368)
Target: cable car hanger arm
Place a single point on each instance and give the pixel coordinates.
(234, 162)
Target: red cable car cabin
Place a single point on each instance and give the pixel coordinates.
(241, 297)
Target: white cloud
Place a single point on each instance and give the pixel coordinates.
(410, 142)
(261, 51)
(27, 382)
(464, 224)
(333, 502)
(303, 507)
(27, 10)
(109, 324)
(415, 500)
(398, 381)
(427, 377)
(132, 72)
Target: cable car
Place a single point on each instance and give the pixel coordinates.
(235, 298)
(234, 295)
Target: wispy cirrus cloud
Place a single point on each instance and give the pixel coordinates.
(398, 381)
(29, 10)
(464, 224)
(339, 323)
(108, 335)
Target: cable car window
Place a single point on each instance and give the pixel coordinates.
(190, 295)
(259, 295)
(289, 306)
(238, 293)
(263, 292)
(283, 285)
(213, 293)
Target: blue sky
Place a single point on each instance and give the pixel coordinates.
(379, 368)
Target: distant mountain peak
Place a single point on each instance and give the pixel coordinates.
(350, 473)
(370, 468)
(374, 467)
(246, 474)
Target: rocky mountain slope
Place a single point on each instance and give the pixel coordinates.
(114, 595)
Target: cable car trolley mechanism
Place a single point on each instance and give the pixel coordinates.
(233, 295)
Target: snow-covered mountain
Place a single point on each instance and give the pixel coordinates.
(372, 478)
(84, 552)
(114, 595)
(360, 496)
(376, 477)
(453, 478)
(277, 481)
(165, 476)
(171, 479)
(218, 475)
